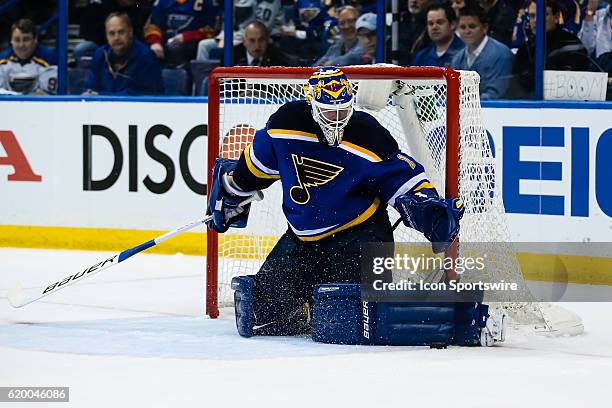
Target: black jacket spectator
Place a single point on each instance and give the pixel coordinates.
(564, 52)
(412, 31)
(501, 17)
(273, 57)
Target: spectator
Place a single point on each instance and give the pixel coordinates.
(501, 17)
(365, 6)
(441, 26)
(412, 31)
(180, 25)
(305, 37)
(125, 66)
(564, 51)
(596, 32)
(243, 15)
(346, 49)
(366, 34)
(91, 22)
(256, 50)
(457, 5)
(483, 54)
(571, 15)
(27, 66)
(521, 27)
(269, 12)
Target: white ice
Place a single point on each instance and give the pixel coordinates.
(135, 335)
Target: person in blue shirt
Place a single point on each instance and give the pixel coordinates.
(125, 66)
(483, 54)
(441, 26)
(339, 169)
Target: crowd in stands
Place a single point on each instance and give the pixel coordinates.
(141, 47)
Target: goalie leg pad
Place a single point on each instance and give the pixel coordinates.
(243, 304)
(470, 319)
(257, 316)
(339, 316)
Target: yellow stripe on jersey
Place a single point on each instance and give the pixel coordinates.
(361, 218)
(291, 132)
(40, 61)
(253, 169)
(367, 152)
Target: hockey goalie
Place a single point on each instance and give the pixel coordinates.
(340, 169)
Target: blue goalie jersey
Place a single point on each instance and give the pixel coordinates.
(327, 189)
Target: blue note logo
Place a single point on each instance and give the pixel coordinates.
(310, 173)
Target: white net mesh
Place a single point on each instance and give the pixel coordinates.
(416, 116)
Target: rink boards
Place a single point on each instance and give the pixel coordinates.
(107, 174)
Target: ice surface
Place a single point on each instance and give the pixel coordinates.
(136, 335)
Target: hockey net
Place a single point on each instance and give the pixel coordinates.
(435, 117)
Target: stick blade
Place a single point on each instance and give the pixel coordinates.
(17, 296)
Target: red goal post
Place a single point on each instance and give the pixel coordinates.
(448, 75)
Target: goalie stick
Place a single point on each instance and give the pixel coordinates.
(18, 296)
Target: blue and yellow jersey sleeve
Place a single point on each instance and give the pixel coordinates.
(396, 175)
(258, 166)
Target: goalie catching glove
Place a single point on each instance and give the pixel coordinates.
(225, 199)
(437, 218)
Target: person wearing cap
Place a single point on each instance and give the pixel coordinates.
(346, 49)
(412, 31)
(366, 35)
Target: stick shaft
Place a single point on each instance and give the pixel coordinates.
(19, 297)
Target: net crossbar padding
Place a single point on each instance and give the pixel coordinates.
(444, 131)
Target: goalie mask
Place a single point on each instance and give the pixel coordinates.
(331, 99)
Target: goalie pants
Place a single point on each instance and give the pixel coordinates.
(285, 282)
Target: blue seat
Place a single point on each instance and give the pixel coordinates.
(76, 80)
(84, 62)
(175, 81)
(199, 71)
